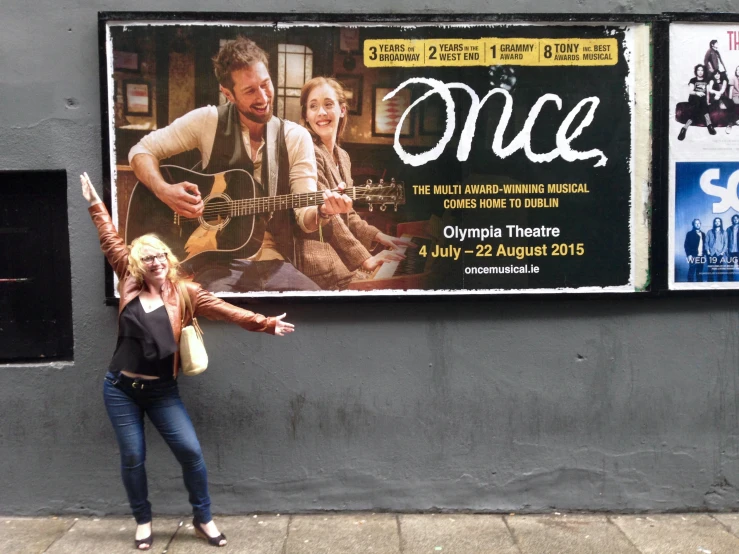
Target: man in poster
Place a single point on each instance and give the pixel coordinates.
(695, 251)
(716, 248)
(712, 60)
(732, 235)
(243, 134)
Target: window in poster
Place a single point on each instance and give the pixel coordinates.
(704, 165)
(433, 116)
(502, 157)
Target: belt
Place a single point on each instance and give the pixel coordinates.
(141, 384)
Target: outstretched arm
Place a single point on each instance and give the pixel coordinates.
(212, 307)
(88, 190)
(111, 243)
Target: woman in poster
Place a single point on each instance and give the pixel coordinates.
(698, 99)
(734, 88)
(719, 94)
(346, 240)
(142, 375)
(732, 94)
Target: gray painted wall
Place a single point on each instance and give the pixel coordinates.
(500, 405)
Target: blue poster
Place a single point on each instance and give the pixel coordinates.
(706, 224)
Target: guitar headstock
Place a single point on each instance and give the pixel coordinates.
(383, 194)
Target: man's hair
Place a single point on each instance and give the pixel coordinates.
(695, 69)
(712, 43)
(235, 55)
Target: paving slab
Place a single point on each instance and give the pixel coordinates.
(455, 534)
(111, 535)
(252, 534)
(730, 521)
(343, 534)
(569, 534)
(679, 533)
(32, 535)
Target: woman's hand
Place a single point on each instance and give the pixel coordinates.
(283, 327)
(88, 191)
(385, 256)
(392, 242)
(335, 202)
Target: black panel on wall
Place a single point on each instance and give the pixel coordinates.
(35, 279)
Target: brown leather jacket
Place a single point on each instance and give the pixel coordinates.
(204, 303)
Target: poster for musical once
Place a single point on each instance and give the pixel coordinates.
(704, 156)
(335, 159)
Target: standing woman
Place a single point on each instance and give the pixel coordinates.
(346, 239)
(142, 376)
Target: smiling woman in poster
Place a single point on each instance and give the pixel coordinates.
(142, 376)
(331, 260)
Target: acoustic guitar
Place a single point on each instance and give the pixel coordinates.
(233, 221)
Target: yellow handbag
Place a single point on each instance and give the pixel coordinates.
(193, 357)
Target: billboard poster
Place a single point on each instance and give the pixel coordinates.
(460, 158)
(704, 156)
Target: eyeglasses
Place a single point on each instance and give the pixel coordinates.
(148, 260)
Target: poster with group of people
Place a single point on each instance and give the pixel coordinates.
(704, 155)
(337, 159)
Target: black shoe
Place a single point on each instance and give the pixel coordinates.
(148, 541)
(213, 541)
(681, 135)
(711, 130)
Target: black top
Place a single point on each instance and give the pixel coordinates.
(145, 342)
(699, 85)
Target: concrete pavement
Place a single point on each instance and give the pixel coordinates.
(556, 533)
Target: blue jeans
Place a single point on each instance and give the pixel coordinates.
(126, 406)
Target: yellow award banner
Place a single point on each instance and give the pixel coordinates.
(490, 51)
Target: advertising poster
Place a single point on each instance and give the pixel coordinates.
(704, 156)
(478, 158)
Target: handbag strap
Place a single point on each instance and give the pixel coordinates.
(186, 302)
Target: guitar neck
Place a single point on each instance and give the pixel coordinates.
(253, 206)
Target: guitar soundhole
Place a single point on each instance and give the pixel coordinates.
(216, 212)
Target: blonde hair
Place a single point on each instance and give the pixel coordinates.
(340, 98)
(137, 268)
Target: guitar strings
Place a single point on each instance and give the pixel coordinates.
(252, 206)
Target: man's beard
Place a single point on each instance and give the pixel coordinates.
(251, 116)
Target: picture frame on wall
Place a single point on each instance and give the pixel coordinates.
(137, 97)
(386, 114)
(349, 40)
(353, 89)
(126, 61)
